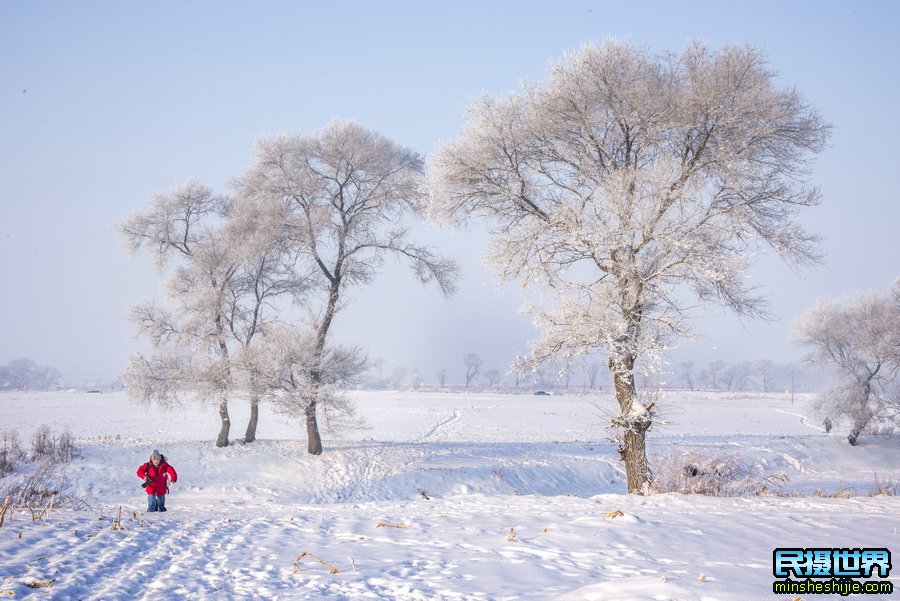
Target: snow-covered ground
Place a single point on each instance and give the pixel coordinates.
(440, 496)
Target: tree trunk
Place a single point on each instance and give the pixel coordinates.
(635, 421)
(862, 415)
(222, 440)
(637, 468)
(250, 436)
(314, 440)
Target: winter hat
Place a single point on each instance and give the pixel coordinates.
(155, 455)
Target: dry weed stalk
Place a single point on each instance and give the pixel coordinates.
(140, 519)
(386, 525)
(40, 513)
(41, 583)
(331, 568)
(3, 511)
(117, 522)
(512, 536)
(614, 514)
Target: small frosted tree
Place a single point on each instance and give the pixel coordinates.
(625, 180)
(472, 363)
(686, 369)
(592, 369)
(342, 199)
(859, 341)
(293, 372)
(492, 376)
(712, 372)
(441, 376)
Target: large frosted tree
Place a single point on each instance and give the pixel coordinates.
(623, 182)
(342, 198)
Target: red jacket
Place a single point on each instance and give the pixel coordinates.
(158, 477)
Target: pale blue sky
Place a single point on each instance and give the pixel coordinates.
(102, 104)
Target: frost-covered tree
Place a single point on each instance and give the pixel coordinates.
(398, 376)
(220, 283)
(492, 376)
(767, 372)
(712, 371)
(472, 363)
(564, 373)
(686, 369)
(441, 376)
(859, 341)
(623, 181)
(342, 198)
(415, 379)
(736, 375)
(190, 352)
(592, 368)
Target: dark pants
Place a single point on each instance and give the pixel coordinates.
(156, 502)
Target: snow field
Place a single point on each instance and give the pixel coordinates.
(489, 464)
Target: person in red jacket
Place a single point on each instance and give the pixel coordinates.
(156, 475)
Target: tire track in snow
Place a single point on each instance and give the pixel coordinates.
(803, 419)
(440, 426)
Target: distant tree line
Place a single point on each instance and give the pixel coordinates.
(586, 373)
(762, 375)
(19, 374)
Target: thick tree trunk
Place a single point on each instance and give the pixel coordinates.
(637, 468)
(314, 440)
(250, 435)
(635, 421)
(862, 415)
(222, 440)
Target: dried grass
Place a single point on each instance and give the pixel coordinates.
(888, 488)
(386, 525)
(720, 476)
